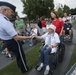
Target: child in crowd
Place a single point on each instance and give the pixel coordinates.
(33, 32)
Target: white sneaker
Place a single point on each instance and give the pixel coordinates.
(64, 38)
(39, 68)
(69, 37)
(46, 72)
(3, 52)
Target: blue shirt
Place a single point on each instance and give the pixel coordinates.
(7, 30)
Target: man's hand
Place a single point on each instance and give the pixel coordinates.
(34, 36)
(31, 37)
(37, 37)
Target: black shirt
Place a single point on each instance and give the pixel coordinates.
(67, 27)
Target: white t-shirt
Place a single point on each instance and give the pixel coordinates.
(34, 33)
(51, 39)
(67, 18)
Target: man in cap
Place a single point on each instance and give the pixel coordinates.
(10, 36)
(51, 42)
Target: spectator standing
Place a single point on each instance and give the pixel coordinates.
(20, 24)
(58, 22)
(43, 23)
(66, 17)
(34, 32)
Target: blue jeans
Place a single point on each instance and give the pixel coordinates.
(44, 56)
(61, 39)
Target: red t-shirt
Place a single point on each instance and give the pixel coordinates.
(43, 23)
(59, 24)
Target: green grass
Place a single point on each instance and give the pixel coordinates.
(32, 58)
(74, 23)
(73, 58)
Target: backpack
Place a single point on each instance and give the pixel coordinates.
(39, 24)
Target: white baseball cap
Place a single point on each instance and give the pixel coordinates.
(51, 26)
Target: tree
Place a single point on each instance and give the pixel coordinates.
(73, 11)
(66, 9)
(60, 12)
(37, 8)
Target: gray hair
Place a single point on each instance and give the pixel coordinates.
(2, 8)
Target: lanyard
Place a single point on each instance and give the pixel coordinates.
(49, 41)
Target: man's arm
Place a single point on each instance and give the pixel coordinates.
(17, 37)
(38, 37)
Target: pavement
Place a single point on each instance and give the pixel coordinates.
(62, 68)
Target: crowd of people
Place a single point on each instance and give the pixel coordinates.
(13, 35)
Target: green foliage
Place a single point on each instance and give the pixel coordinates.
(60, 12)
(66, 9)
(37, 8)
(73, 58)
(73, 11)
(74, 23)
